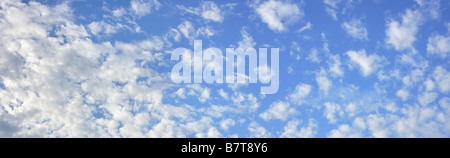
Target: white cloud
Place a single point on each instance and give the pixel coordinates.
(301, 90)
(438, 45)
(430, 7)
(402, 34)
(356, 29)
(308, 26)
(335, 7)
(257, 131)
(351, 109)
(377, 125)
(442, 78)
(203, 93)
(67, 85)
(290, 130)
(278, 110)
(314, 56)
(227, 123)
(119, 12)
(445, 104)
(277, 14)
(331, 110)
(367, 63)
(427, 98)
(429, 85)
(346, 131)
(323, 81)
(166, 129)
(211, 12)
(223, 94)
(402, 94)
(208, 10)
(98, 27)
(247, 40)
(188, 30)
(332, 13)
(144, 7)
(335, 65)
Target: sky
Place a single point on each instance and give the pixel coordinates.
(347, 68)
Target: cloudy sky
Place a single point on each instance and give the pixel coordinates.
(347, 68)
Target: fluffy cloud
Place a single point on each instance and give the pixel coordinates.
(257, 131)
(439, 45)
(346, 131)
(402, 35)
(427, 98)
(442, 78)
(367, 63)
(290, 130)
(211, 12)
(144, 7)
(334, 64)
(301, 90)
(57, 82)
(323, 81)
(356, 29)
(278, 110)
(403, 94)
(188, 30)
(331, 110)
(278, 14)
(227, 123)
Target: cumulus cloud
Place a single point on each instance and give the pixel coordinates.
(187, 29)
(64, 84)
(427, 98)
(402, 34)
(323, 81)
(442, 78)
(331, 110)
(278, 14)
(144, 7)
(247, 40)
(278, 110)
(301, 90)
(257, 131)
(211, 11)
(346, 131)
(291, 129)
(208, 10)
(227, 123)
(335, 7)
(334, 64)
(367, 63)
(356, 29)
(403, 94)
(438, 45)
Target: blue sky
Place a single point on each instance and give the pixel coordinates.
(347, 68)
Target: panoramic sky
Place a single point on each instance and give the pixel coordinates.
(347, 68)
